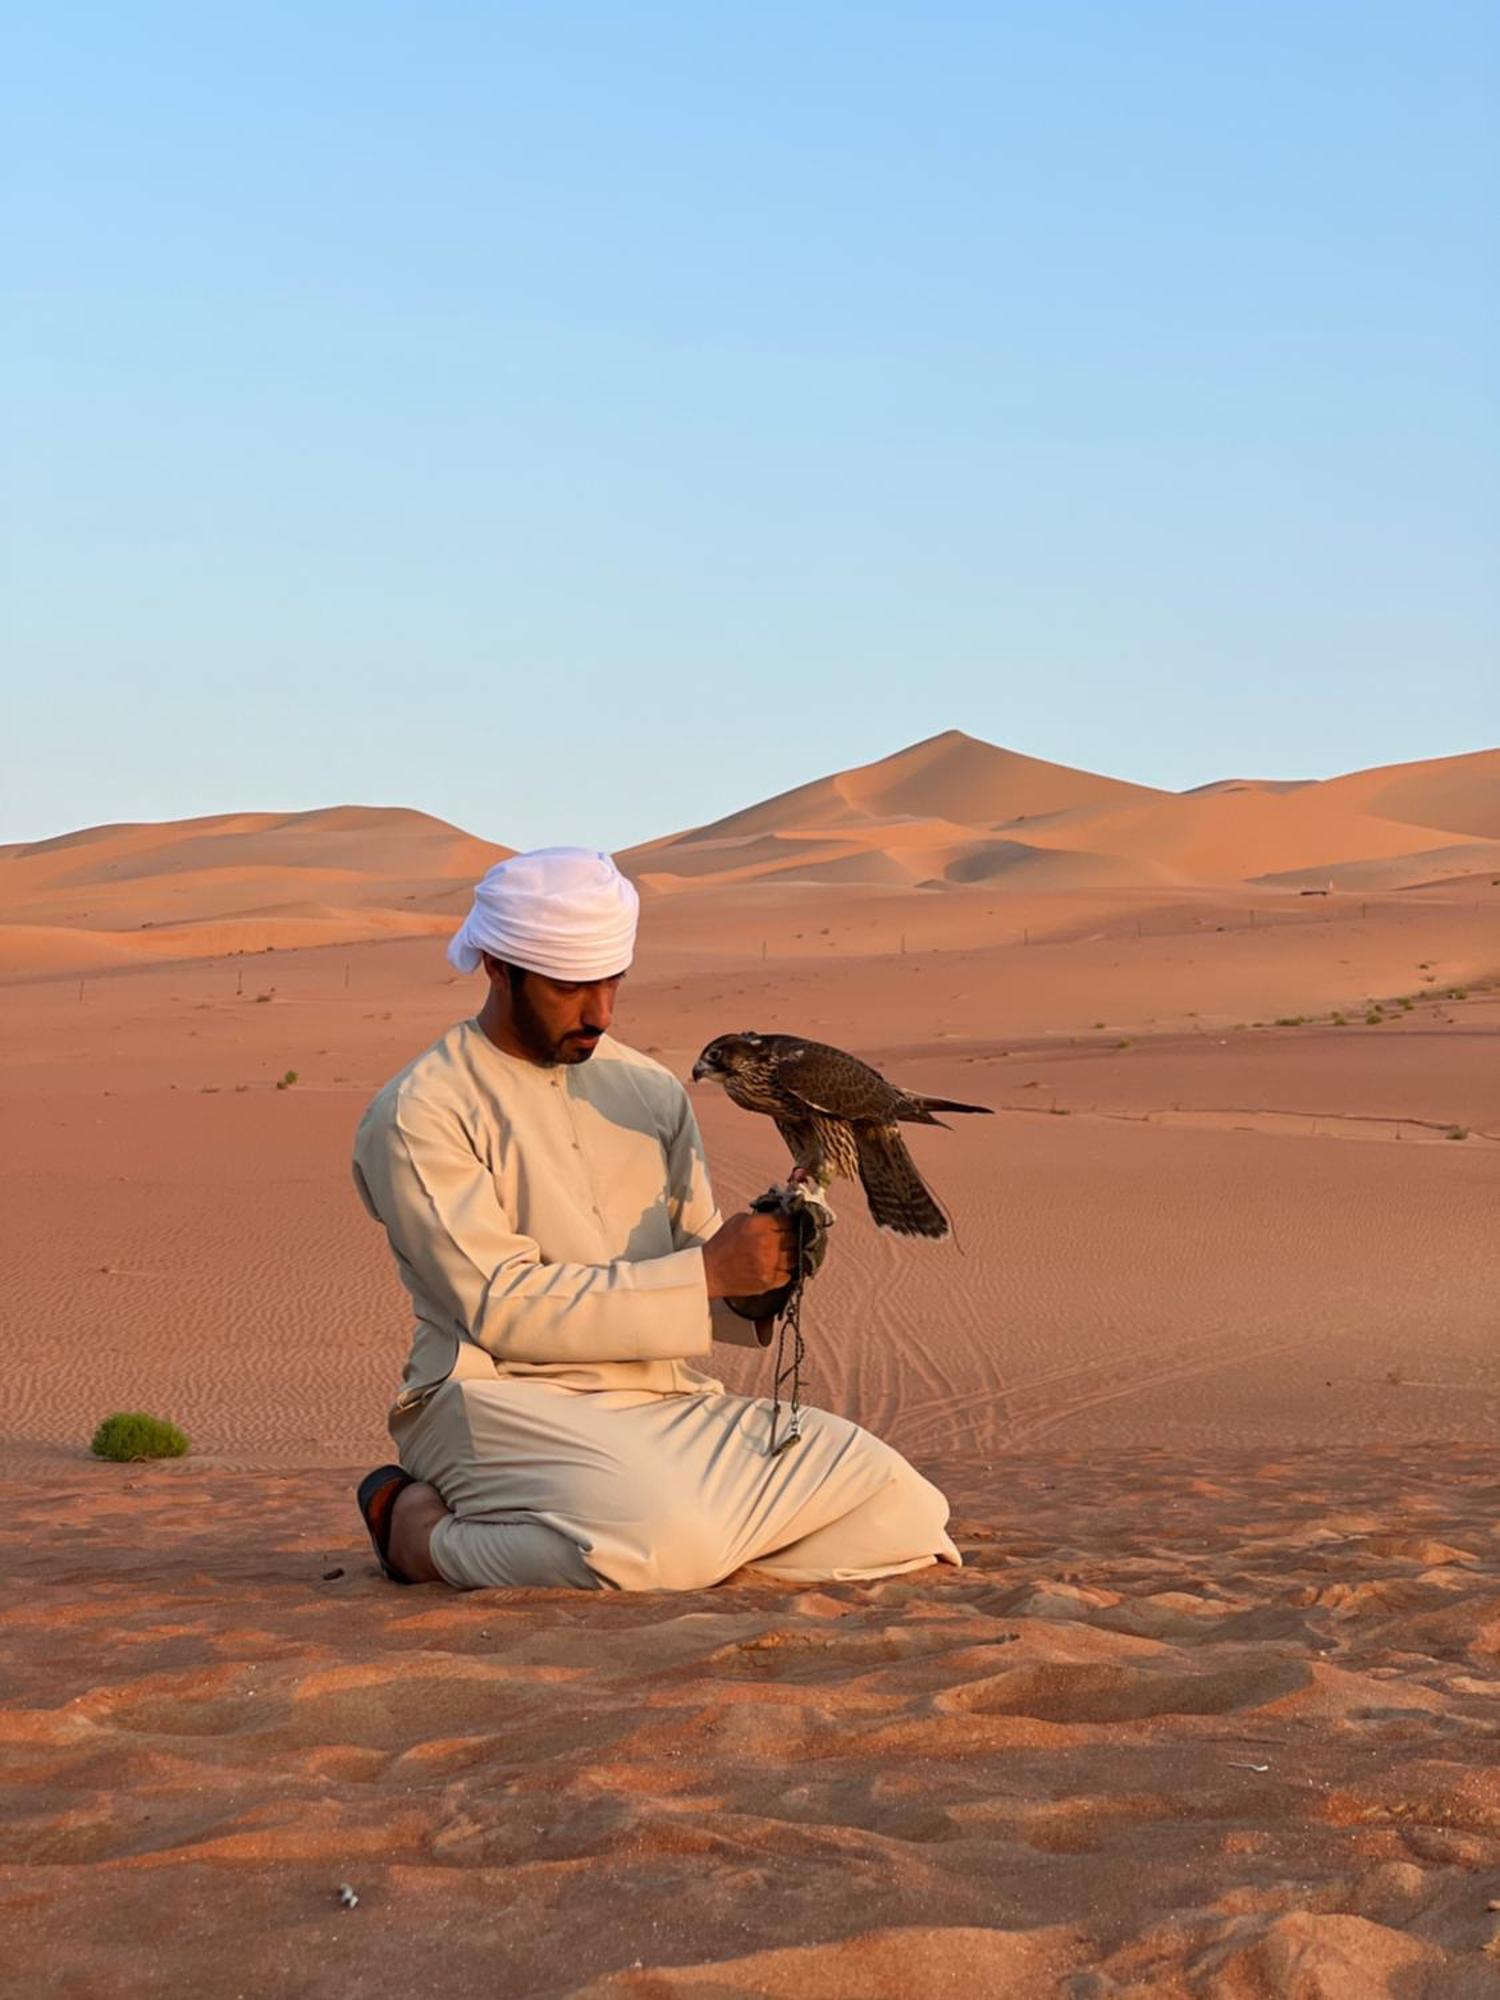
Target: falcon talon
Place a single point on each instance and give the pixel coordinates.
(814, 1198)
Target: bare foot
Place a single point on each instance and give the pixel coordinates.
(418, 1509)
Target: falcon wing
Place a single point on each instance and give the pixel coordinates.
(827, 1080)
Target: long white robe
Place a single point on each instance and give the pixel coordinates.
(549, 1224)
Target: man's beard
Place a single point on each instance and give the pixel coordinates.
(574, 1047)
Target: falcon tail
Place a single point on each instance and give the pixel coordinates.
(918, 1110)
(898, 1196)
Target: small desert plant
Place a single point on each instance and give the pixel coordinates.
(1459, 993)
(1374, 1017)
(1290, 1020)
(286, 1082)
(1125, 1044)
(1339, 1020)
(1457, 1132)
(131, 1434)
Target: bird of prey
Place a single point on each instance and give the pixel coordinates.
(838, 1116)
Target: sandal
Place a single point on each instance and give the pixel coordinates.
(378, 1493)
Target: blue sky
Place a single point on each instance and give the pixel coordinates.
(580, 420)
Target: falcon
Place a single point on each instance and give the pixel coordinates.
(839, 1117)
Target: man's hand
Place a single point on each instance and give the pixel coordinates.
(748, 1255)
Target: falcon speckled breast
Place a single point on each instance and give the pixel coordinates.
(839, 1118)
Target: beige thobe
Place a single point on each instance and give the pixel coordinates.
(549, 1224)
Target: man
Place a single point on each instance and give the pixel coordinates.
(545, 1194)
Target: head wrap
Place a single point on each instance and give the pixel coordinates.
(567, 912)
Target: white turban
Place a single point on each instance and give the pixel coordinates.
(565, 911)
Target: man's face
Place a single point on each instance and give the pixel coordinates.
(559, 1020)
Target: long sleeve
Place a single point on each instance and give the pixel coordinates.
(463, 1259)
(695, 1218)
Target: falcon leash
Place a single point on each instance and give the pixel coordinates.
(789, 1322)
(793, 1204)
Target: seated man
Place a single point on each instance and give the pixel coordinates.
(545, 1195)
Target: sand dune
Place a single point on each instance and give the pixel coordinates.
(950, 813)
(1249, 785)
(951, 776)
(1233, 836)
(237, 881)
(1208, 1374)
(934, 811)
(1459, 793)
(921, 815)
(1429, 867)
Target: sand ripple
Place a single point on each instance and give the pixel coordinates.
(1174, 1730)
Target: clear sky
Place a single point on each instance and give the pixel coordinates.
(581, 418)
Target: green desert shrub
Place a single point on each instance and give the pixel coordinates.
(131, 1434)
(286, 1082)
(1374, 1017)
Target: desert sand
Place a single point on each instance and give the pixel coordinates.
(1209, 1374)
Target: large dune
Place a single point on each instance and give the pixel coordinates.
(112, 895)
(950, 813)
(933, 813)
